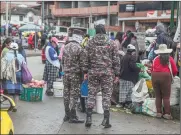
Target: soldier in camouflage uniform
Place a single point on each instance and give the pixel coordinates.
(103, 67)
(72, 64)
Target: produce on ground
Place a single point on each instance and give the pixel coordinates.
(34, 84)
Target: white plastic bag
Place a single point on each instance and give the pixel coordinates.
(140, 91)
(175, 91)
(149, 107)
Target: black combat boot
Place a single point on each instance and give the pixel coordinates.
(89, 117)
(67, 116)
(105, 121)
(74, 118)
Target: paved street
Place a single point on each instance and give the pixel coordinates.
(46, 117)
(41, 117)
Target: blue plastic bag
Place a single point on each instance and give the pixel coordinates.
(84, 89)
(61, 74)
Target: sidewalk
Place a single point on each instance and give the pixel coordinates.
(31, 53)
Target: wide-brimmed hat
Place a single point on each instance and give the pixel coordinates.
(14, 46)
(163, 49)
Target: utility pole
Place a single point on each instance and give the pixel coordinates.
(90, 20)
(108, 16)
(43, 9)
(10, 13)
(7, 19)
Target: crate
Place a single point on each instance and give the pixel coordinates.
(32, 94)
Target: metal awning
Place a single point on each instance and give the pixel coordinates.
(144, 18)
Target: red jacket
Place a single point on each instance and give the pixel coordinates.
(158, 67)
(30, 40)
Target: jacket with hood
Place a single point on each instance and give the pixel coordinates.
(72, 60)
(162, 36)
(102, 56)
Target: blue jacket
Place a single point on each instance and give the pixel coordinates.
(52, 52)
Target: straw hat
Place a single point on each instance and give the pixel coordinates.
(163, 49)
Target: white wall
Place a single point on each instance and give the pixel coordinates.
(15, 19)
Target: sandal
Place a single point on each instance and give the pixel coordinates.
(167, 117)
(159, 115)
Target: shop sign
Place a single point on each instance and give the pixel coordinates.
(130, 8)
(152, 13)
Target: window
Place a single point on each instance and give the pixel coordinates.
(4, 17)
(166, 5)
(65, 4)
(30, 19)
(126, 8)
(20, 18)
(146, 6)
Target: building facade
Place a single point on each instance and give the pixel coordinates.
(140, 15)
(124, 15)
(20, 15)
(84, 13)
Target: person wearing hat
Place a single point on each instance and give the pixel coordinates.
(11, 71)
(72, 62)
(52, 65)
(129, 74)
(163, 70)
(102, 65)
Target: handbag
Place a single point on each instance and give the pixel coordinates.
(26, 74)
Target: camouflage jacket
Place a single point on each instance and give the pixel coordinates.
(101, 56)
(72, 60)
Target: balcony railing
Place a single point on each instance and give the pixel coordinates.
(84, 11)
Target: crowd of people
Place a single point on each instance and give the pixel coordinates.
(108, 63)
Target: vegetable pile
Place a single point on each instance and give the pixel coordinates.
(34, 84)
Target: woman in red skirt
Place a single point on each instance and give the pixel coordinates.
(163, 70)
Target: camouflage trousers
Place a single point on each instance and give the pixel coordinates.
(103, 83)
(71, 90)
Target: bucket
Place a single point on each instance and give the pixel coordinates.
(99, 108)
(58, 89)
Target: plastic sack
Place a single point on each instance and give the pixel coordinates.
(136, 107)
(140, 91)
(84, 89)
(175, 91)
(26, 74)
(151, 54)
(144, 75)
(149, 107)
